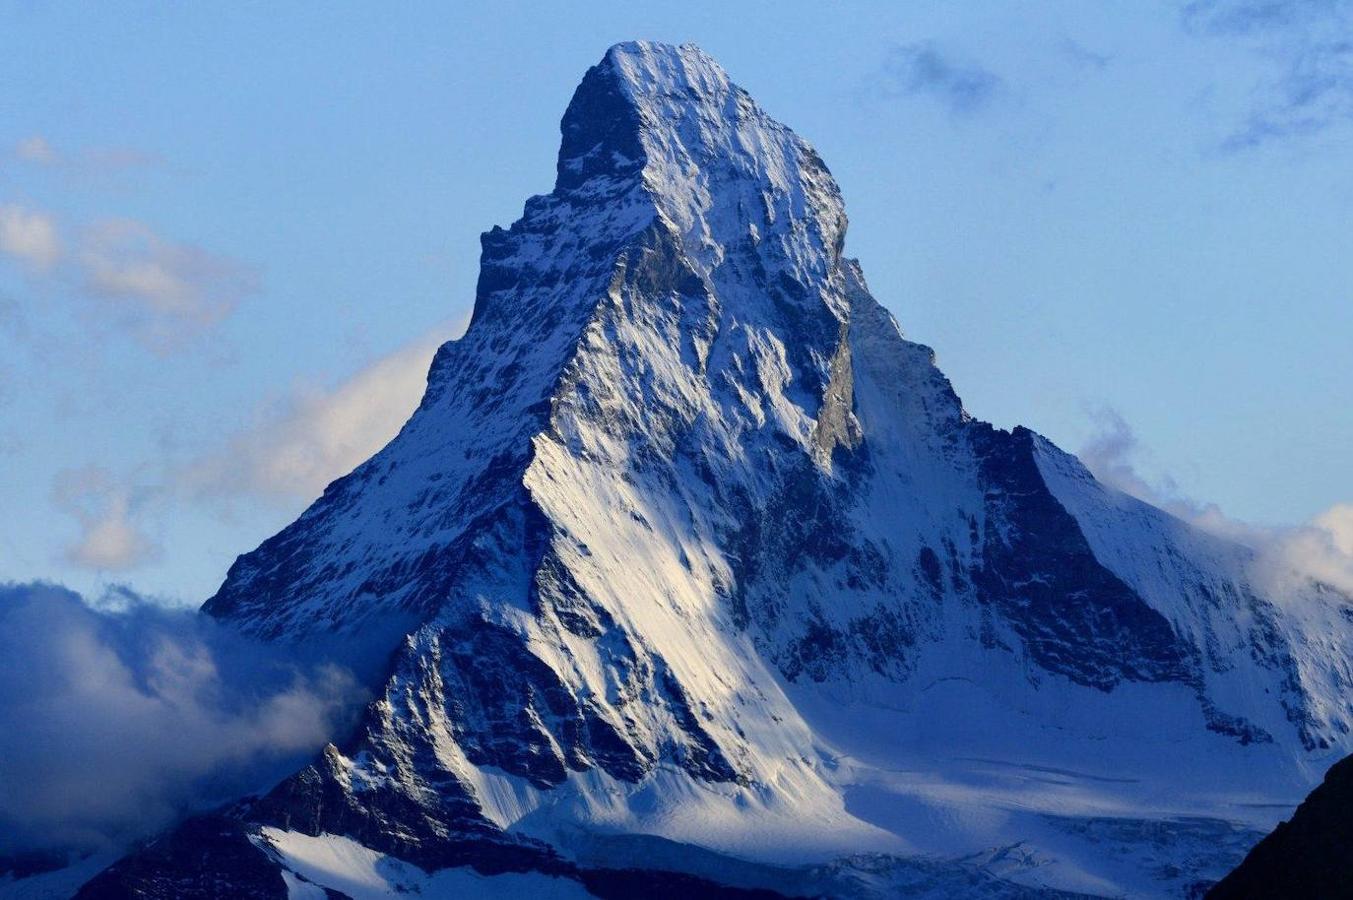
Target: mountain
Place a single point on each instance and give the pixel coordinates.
(1309, 856)
(693, 574)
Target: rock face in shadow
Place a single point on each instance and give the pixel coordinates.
(1310, 856)
(205, 858)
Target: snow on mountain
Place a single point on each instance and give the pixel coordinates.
(690, 562)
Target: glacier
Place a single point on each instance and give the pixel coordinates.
(694, 575)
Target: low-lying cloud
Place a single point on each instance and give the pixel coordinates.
(1286, 559)
(115, 721)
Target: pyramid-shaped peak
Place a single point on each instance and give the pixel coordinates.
(643, 99)
(667, 117)
(683, 509)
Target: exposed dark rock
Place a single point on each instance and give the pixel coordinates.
(206, 858)
(1076, 617)
(1309, 856)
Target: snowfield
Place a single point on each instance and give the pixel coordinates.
(341, 864)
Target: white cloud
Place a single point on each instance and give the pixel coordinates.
(1337, 522)
(29, 236)
(165, 291)
(297, 446)
(110, 539)
(1109, 455)
(1321, 549)
(1285, 557)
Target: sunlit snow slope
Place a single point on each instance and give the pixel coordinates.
(691, 548)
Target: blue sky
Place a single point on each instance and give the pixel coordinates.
(231, 237)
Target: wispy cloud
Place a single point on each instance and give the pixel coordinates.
(1286, 558)
(162, 290)
(1112, 455)
(923, 68)
(1253, 16)
(29, 236)
(110, 539)
(298, 445)
(116, 720)
(1308, 45)
(39, 151)
(1322, 549)
(1081, 56)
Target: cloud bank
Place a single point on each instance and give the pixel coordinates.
(116, 721)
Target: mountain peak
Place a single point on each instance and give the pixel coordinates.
(634, 88)
(684, 523)
(718, 167)
(653, 67)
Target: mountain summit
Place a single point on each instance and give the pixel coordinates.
(693, 575)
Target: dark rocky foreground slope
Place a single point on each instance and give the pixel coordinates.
(1309, 856)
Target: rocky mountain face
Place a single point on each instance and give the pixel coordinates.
(1309, 856)
(692, 566)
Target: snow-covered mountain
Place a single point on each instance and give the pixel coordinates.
(693, 570)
